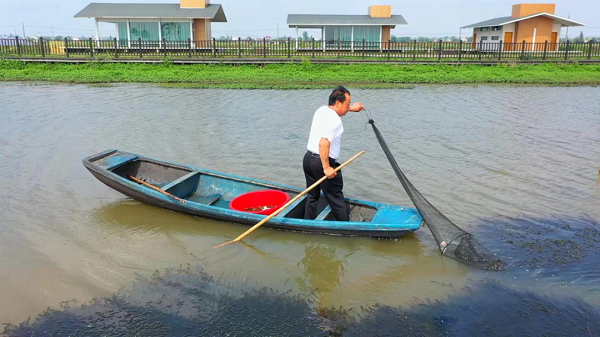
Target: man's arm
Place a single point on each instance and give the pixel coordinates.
(324, 154)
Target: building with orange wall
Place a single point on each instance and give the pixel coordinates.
(373, 27)
(189, 19)
(533, 23)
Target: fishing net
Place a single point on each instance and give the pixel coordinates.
(452, 240)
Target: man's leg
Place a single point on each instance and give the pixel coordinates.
(311, 173)
(334, 195)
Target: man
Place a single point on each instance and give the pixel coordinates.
(320, 160)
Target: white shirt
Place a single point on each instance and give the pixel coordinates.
(326, 123)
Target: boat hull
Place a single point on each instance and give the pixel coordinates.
(111, 174)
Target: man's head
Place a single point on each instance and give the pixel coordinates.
(339, 100)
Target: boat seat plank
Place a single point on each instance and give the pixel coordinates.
(115, 160)
(180, 180)
(290, 207)
(183, 186)
(205, 199)
(324, 213)
(392, 214)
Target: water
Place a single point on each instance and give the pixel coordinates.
(518, 166)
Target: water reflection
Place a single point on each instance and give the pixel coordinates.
(322, 269)
(331, 270)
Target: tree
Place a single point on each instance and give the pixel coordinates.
(579, 39)
(305, 36)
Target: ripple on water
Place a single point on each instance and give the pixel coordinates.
(525, 154)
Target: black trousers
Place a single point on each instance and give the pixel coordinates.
(332, 188)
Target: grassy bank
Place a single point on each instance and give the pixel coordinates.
(300, 76)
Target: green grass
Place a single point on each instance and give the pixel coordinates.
(305, 75)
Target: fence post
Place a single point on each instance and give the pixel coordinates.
(567, 50)
(239, 47)
(523, 50)
(214, 47)
(545, 50)
(389, 49)
(18, 46)
(164, 45)
(313, 47)
(140, 46)
(116, 48)
(66, 47)
(440, 51)
(289, 41)
(414, 50)
(479, 49)
(41, 42)
(590, 50)
(189, 47)
(91, 48)
(500, 46)
(460, 47)
(363, 50)
(264, 47)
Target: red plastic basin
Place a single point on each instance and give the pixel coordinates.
(260, 199)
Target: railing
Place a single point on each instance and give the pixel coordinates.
(282, 49)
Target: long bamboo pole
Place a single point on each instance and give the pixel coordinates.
(157, 189)
(246, 233)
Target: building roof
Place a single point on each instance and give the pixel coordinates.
(151, 11)
(319, 20)
(509, 19)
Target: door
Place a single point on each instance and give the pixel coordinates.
(508, 39)
(474, 41)
(553, 40)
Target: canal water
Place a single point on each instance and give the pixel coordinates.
(516, 166)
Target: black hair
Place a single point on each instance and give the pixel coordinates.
(338, 94)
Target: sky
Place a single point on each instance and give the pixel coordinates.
(248, 18)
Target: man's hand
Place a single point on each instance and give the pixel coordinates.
(329, 172)
(356, 107)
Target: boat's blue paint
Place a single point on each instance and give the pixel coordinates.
(184, 186)
(290, 207)
(389, 220)
(113, 162)
(324, 213)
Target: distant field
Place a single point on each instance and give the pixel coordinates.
(305, 75)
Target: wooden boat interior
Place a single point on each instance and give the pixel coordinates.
(217, 190)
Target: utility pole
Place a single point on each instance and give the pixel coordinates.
(567, 35)
(23, 24)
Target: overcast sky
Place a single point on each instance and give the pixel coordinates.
(430, 18)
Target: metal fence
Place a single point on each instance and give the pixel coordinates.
(288, 49)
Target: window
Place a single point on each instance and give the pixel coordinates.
(175, 31)
(368, 33)
(495, 38)
(335, 33)
(484, 29)
(484, 38)
(497, 28)
(147, 31)
(122, 31)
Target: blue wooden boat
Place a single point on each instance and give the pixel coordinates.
(208, 193)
